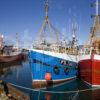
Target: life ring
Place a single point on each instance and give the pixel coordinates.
(66, 70)
(56, 70)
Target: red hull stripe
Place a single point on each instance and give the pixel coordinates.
(90, 70)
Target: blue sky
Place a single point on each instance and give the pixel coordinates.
(25, 17)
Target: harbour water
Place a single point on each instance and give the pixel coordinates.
(19, 74)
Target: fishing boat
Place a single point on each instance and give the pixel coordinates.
(89, 58)
(51, 60)
(11, 58)
(8, 53)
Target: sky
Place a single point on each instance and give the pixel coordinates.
(25, 17)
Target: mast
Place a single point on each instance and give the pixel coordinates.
(97, 4)
(97, 17)
(1, 41)
(47, 29)
(17, 41)
(95, 36)
(74, 38)
(95, 29)
(46, 5)
(44, 25)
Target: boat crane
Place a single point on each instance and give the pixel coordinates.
(48, 29)
(94, 36)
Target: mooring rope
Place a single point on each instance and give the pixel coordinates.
(75, 91)
(22, 87)
(60, 92)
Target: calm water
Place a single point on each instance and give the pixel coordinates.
(19, 74)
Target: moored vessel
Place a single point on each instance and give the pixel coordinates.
(51, 62)
(89, 58)
(8, 53)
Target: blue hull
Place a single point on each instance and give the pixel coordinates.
(59, 69)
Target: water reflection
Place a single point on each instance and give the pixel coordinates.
(19, 73)
(96, 94)
(74, 90)
(86, 95)
(54, 96)
(8, 68)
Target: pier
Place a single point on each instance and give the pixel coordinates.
(9, 92)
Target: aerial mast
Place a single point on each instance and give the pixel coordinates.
(97, 4)
(74, 39)
(46, 5)
(95, 36)
(1, 41)
(17, 41)
(97, 17)
(74, 30)
(48, 34)
(95, 29)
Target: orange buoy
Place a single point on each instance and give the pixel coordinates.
(48, 76)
